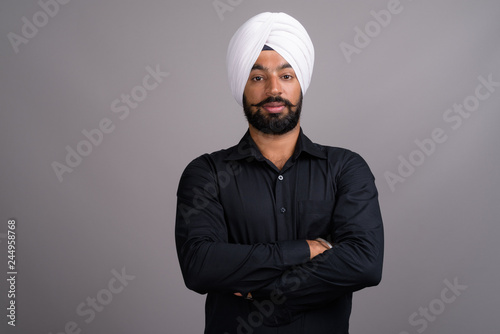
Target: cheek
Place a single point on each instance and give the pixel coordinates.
(292, 89)
(253, 95)
(295, 93)
(298, 93)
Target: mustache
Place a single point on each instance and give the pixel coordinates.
(275, 99)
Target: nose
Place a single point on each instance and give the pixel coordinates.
(273, 87)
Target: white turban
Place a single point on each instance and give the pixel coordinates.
(283, 34)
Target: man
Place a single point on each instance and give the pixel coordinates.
(277, 230)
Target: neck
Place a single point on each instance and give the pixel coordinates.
(276, 148)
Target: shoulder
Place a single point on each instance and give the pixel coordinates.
(334, 154)
(209, 163)
(211, 160)
(345, 162)
(339, 155)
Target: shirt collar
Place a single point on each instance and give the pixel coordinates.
(247, 148)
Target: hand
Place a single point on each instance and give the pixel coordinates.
(249, 295)
(317, 247)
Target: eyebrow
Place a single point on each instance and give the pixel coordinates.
(262, 68)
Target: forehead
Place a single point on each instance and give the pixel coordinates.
(270, 60)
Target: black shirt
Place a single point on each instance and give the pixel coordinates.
(242, 226)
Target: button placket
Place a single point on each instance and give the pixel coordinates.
(281, 208)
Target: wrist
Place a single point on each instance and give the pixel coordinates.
(316, 247)
(325, 243)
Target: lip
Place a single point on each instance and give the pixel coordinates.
(274, 107)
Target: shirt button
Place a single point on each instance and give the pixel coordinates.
(283, 210)
(280, 177)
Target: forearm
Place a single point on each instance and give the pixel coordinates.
(218, 266)
(210, 263)
(316, 247)
(346, 268)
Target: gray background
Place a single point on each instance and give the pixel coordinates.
(116, 208)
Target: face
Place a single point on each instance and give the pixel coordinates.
(272, 99)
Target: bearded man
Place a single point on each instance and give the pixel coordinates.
(278, 231)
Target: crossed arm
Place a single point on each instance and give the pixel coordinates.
(307, 273)
(316, 247)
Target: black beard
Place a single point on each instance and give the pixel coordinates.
(276, 124)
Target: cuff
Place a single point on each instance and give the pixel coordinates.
(294, 252)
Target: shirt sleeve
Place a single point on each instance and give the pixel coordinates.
(354, 262)
(209, 263)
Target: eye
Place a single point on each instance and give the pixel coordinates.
(287, 77)
(257, 78)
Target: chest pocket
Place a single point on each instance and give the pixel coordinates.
(315, 218)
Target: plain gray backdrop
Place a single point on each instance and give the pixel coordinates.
(409, 95)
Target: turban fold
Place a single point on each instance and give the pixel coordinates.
(279, 31)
